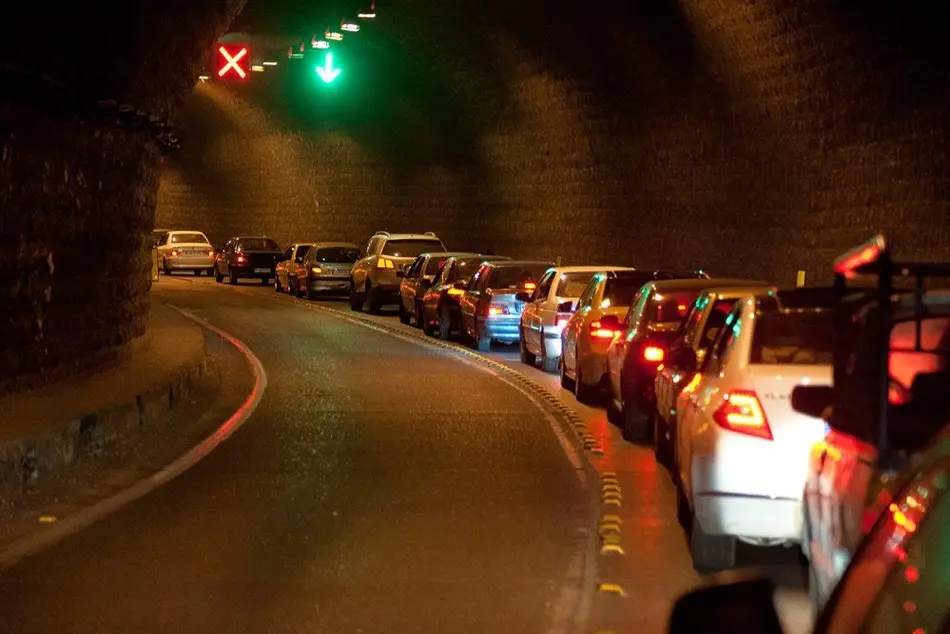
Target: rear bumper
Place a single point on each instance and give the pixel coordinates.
(252, 271)
(503, 328)
(325, 284)
(748, 516)
(189, 262)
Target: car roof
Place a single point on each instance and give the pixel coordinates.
(510, 263)
(320, 245)
(591, 269)
(252, 238)
(733, 292)
(181, 231)
(408, 236)
(449, 254)
(699, 284)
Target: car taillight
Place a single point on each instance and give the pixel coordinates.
(385, 263)
(653, 354)
(174, 253)
(211, 252)
(316, 269)
(529, 286)
(497, 310)
(240, 259)
(741, 412)
(456, 291)
(562, 321)
(598, 331)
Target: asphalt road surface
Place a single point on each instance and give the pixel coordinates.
(381, 486)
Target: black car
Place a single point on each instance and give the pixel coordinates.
(249, 257)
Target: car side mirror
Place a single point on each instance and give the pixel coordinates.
(684, 359)
(523, 296)
(733, 607)
(565, 307)
(812, 400)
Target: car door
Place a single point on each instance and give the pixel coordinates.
(410, 283)
(468, 301)
(531, 317)
(617, 351)
(665, 398)
(224, 258)
(576, 323)
(285, 265)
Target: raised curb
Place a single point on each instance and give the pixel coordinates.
(23, 462)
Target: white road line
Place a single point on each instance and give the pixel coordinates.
(71, 524)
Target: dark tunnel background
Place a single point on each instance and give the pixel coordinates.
(743, 137)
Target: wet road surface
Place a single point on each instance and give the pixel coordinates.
(381, 486)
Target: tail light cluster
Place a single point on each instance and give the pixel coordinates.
(385, 263)
(456, 292)
(530, 286)
(498, 310)
(175, 253)
(653, 354)
(600, 330)
(241, 259)
(741, 412)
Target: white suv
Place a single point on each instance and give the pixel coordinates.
(373, 280)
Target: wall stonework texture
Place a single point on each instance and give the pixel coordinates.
(746, 138)
(77, 197)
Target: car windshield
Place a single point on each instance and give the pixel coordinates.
(337, 254)
(672, 307)
(798, 338)
(572, 284)
(193, 238)
(515, 276)
(257, 244)
(410, 248)
(434, 264)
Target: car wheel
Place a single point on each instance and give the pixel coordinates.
(232, 278)
(566, 382)
(445, 326)
(711, 553)
(309, 292)
(404, 317)
(420, 315)
(661, 444)
(217, 276)
(526, 357)
(635, 421)
(584, 393)
(356, 299)
(372, 306)
(278, 287)
(167, 270)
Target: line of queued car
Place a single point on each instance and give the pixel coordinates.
(785, 416)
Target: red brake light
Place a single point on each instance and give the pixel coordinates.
(240, 259)
(741, 412)
(211, 252)
(653, 354)
(681, 309)
(598, 331)
(562, 321)
(174, 253)
(497, 310)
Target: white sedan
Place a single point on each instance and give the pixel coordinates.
(185, 251)
(741, 453)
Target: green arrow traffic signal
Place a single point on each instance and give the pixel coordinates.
(326, 71)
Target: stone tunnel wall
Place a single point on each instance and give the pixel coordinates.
(747, 138)
(77, 193)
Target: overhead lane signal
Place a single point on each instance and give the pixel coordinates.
(233, 61)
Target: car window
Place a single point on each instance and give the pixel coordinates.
(798, 338)
(302, 251)
(434, 265)
(257, 244)
(693, 319)
(181, 238)
(716, 320)
(413, 271)
(905, 361)
(445, 273)
(371, 246)
(410, 248)
(289, 253)
(621, 291)
(672, 307)
(164, 240)
(476, 281)
(898, 580)
(717, 356)
(463, 269)
(345, 255)
(544, 286)
(515, 276)
(639, 301)
(571, 285)
(589, 293)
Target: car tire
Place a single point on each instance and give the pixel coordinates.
(420, 320)
(614, 417)
(309, 293)
(566, 382)
(371, 306)
(584, 393)
(662, 446)
(356, 300)
(404, 317)
(278, 287)
(265, 281)
(444, 328)
(636, 423)
(526, 357)
(232, 279)
(165, 268)
(711, 553)
(218, 277)
(211, 272)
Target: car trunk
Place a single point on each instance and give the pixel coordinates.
(505, 299)
(261, 259)
(773, 385)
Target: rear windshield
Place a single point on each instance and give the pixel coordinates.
(672, 307)
(337, 254)
(515, 276)
(572, 284)
(410, 248)
(434, 264)
(257, 244)
(178, 238)
(793, 338)
(620, 291)
(465, 269)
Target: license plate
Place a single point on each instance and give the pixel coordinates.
(262, 270)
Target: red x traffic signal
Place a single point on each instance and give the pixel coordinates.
(233, 61)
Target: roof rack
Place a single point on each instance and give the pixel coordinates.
(430, 234)
(381, 233)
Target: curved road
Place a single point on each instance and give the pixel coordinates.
(381, 486)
